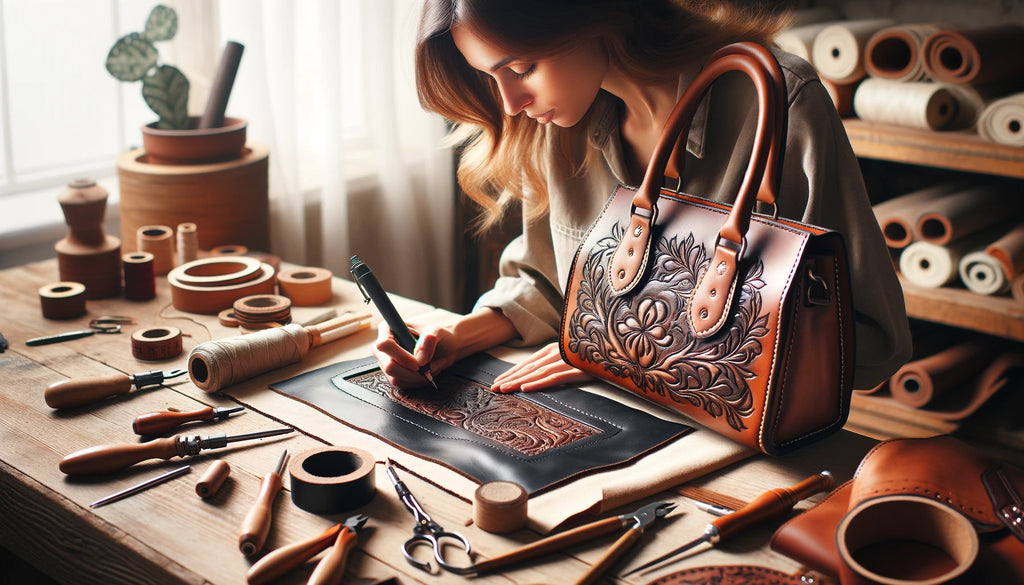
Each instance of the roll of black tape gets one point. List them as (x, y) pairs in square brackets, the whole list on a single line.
[(332, 480)]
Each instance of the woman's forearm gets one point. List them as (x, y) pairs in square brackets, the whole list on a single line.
[(481, 330)]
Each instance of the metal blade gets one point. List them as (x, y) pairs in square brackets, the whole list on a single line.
[(141, 486), (670, 554), (221, 412), (258, 434)]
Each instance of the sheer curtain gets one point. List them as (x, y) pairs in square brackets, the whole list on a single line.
[(356, 166)]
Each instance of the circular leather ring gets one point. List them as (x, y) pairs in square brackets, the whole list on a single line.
[(217, 271), (210, 300), (156, 343), (306, 286), (62, 300), (904, 540), (331, 480)]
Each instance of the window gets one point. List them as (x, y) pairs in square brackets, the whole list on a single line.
[(61, 114)]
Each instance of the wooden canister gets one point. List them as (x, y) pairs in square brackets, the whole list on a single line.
[(227, 201)]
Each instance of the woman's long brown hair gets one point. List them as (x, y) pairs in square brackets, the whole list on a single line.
[(649, 40)]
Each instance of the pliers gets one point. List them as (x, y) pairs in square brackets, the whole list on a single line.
[(341, 539), (636, 522)]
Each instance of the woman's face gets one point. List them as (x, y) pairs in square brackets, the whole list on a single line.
[(558, 89)]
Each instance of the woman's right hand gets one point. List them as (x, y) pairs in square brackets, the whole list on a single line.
[(433, 346), (440, 346)]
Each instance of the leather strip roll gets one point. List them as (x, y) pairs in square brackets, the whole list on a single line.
[(213, 296), (904, 540), (306, 286), (139, 276), (217, 271), (156, 343), (158, 240), (62, 300), (260, 311), (500, 506), (331, 480), (227, 318), (211, 481)]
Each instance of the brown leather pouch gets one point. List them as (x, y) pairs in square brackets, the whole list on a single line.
[(938, 469)]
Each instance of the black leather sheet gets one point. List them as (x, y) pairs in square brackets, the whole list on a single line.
[(538, 440)]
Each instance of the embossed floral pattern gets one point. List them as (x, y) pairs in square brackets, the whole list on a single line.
[(640, 338), (516, 422)]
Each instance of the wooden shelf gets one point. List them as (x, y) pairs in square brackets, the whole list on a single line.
[(959, 307), (960, 150)]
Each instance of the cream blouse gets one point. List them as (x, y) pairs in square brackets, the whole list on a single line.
[(821, 185)]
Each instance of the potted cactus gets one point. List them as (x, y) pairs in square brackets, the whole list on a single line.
[(176, 137)]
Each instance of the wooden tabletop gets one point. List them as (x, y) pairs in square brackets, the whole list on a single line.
[(167, 534)]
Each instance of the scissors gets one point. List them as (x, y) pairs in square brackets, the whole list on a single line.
[(106, 324), (426, 532)]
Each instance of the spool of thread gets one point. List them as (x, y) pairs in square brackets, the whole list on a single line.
[(1002, 121), (219, 363), (500, 506), (156, 343), (62, 300), (306, 286), (139, 276), (260, 311), (917, 104), (188, 242), (211, 481), (838, 49), (332, 480), (159, 241)]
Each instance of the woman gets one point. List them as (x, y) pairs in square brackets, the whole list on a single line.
[(558, 101)]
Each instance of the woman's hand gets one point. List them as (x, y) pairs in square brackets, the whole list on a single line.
[(541, 370), (440, 347), (433, 346)]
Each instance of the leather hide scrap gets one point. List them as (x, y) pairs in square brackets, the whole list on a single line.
[(538, 439)]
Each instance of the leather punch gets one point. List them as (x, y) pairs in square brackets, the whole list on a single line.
[(635, 523)]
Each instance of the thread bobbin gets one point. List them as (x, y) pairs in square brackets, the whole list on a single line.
[(62, 300), (156, 343), (139, 276), (159, 241)]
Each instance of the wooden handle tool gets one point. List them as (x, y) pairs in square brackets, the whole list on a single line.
[(83, 391), (256, 525), (281, 560), (770, 505), (156, 423)]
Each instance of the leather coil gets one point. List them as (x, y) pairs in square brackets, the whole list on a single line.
[(306, 286), (62, 300), (210, 285), (332, 480), (156, 343), (261, 311)]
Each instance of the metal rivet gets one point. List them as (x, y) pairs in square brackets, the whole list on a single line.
[(622, 274), (721, 268), (638, 230), (713, 293), (703, 313), (630, 253)]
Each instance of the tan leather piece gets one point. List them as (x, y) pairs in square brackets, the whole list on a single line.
[(712, 297), (939, 469)]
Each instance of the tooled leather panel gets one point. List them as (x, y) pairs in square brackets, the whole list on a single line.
[(654, 349), (521, 425), (480, 449)]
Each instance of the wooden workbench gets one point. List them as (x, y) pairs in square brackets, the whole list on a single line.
[(169, 535)]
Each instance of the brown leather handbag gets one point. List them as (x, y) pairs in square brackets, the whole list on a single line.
[(739, 320)]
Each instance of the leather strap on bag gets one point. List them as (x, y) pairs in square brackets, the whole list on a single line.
[(713, 294)]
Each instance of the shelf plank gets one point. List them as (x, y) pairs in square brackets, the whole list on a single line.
[(956, 150), (959, 307)]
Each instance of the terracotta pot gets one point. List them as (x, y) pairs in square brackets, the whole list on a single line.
[(194, 146)]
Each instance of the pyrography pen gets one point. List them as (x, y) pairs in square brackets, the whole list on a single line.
[(373, 291)]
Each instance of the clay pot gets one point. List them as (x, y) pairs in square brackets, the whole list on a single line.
[(194, 146)]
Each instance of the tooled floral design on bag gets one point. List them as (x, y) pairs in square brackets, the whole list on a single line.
[(654, 349), (516, 422)]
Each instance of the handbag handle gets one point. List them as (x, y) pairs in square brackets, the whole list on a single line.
[(713, 293)]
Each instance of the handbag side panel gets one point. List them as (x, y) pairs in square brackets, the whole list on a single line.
[(642, 341)]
